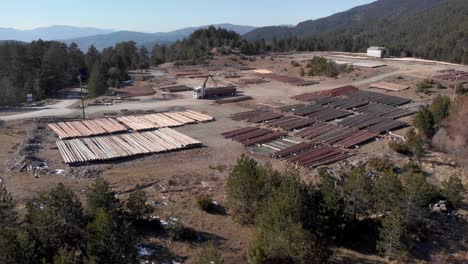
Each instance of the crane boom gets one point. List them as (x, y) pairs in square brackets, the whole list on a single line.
[(206, 81)]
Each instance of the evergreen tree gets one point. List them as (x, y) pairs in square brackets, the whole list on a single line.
[(97, 83), (281, 235), (248, 187), (440, 108), (66, 257), (357, 192), (454, 190), (137, 204), (92, 57), (110, 240), (144, 60), (100, 195), (8, 215), (387, 192), (417, 193), (332, 205), (76, 62), (55, 220), (391, 241), (424, 122), (53, 68)]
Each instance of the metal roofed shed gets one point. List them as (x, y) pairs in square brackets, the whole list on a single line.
[(378, 52)]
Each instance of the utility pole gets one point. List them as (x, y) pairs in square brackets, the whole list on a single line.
[(455, 88), (82, 97)]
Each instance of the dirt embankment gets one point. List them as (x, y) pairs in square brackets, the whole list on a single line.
[(453, 137)]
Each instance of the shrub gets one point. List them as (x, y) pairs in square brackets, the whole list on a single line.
[(412, 167), (453, 190), (295, 64), (380, 164), (322, 66), (440, 108), (424, 122), (414, 145), (424, 86), (460, 89), (209, 255), (400, 147), (205, 203)]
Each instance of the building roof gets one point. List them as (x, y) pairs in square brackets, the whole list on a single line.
[(376, 48)]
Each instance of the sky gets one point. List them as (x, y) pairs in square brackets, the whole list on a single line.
[(165, 15)]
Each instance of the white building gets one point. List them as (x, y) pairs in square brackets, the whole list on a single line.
[(378, 52)]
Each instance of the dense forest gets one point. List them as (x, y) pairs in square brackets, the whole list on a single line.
[(199, 46), (44, 67), (431, 29)]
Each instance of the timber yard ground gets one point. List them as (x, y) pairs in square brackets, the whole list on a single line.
[(31, 161)]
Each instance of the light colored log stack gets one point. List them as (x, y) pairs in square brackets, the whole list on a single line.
[(86, 128), (125, 145), (159, 120)]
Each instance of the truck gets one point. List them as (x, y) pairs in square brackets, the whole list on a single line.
[(212, 92), (203, 92)]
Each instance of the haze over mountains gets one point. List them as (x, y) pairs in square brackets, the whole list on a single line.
[(102, 38)]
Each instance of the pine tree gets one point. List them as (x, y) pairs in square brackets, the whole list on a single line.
[(332, 205), (92, 57), (248, 187), (391, 235), (97, 83), (387, 192), (454, 190), (417, 193), (440, 108), (8, 215), (137, 204), (100, 195), (281, 235), (110, 240), (424, 122), (357, 192), (56, 220)]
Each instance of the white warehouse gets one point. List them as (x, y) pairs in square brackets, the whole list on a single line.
[(378, 52)]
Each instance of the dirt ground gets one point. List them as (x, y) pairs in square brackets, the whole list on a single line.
[(174, 180)]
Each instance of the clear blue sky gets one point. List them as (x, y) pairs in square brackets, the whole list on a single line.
[(159, 15)]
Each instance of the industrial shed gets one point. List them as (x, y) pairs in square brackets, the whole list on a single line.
[(378, 52)]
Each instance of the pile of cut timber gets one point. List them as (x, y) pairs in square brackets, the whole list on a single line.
[(233, 99), (122, 146), (159, 120), (176, 88), (389, 86), (86, 128)]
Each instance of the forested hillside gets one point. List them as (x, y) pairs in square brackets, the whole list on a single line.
[(433, 29), (198, 46), (44, 67)]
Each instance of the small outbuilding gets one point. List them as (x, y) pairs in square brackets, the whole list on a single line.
[(378, 52)]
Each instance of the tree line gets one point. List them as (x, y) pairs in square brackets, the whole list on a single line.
[(42, 68), (295, 222)]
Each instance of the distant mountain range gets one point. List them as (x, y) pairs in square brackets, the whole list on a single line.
[(50, 33), (148, 39), (102, 38)]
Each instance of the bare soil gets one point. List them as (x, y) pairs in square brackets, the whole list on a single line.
[(173, 181)]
